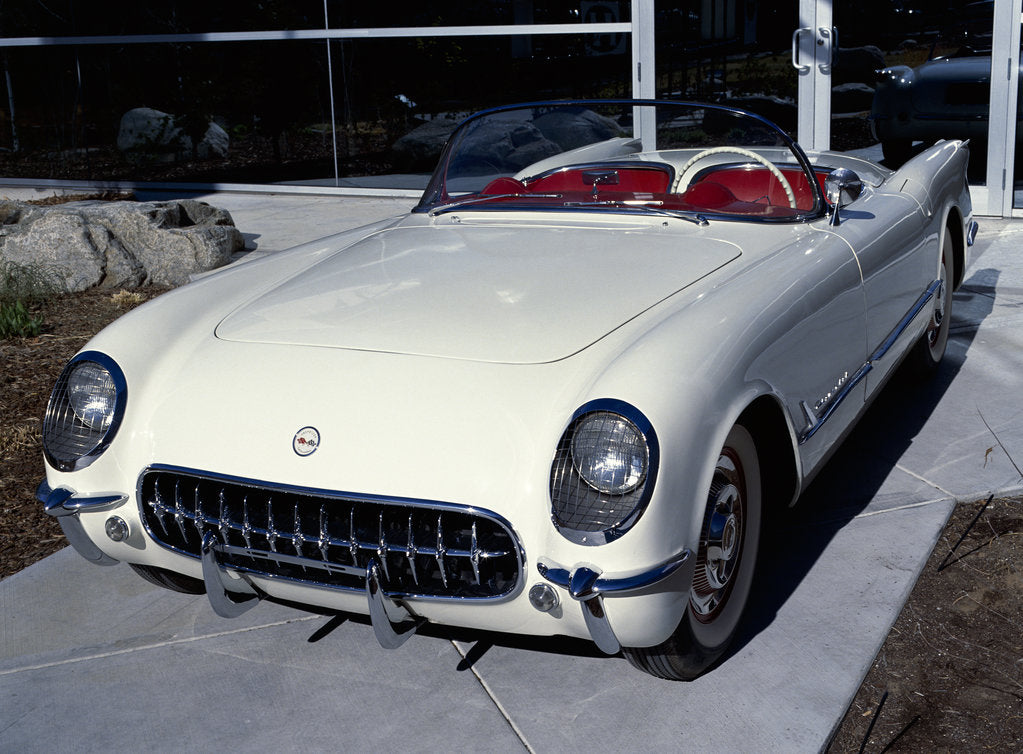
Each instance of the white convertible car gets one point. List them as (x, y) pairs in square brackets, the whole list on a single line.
[(559, 397)]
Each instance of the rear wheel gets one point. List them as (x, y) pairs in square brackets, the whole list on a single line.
[(725, 562), (930, 349), (169, 580)]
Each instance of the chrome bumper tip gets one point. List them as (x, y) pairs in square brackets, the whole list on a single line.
[(590, 587)]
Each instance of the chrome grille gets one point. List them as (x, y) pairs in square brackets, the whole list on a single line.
[(424, 549)]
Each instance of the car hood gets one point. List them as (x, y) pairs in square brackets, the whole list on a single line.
[(495, 293)]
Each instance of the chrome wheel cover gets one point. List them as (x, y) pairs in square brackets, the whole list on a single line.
[(721, 543)]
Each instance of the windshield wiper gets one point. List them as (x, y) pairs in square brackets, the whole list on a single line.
[(489, 197), (645, 206)]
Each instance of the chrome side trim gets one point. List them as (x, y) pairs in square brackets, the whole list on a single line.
[(589, 587), (879, 353)]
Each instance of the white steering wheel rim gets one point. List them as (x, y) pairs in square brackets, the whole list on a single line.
[(745, 153)]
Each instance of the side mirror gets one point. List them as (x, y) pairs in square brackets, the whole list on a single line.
[(842, 187)]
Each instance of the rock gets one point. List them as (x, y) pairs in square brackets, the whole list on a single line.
[(119, 244), (420, 148), (570, 130), (857, 65), (148, 131), (851, 98)]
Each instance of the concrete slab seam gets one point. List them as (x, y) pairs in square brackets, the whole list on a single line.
[(950, 498), (925, 480), (493, 698), (158, 645)]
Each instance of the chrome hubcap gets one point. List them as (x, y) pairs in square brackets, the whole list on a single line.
[(721, 544)]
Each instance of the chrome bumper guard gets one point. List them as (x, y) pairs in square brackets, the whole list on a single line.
[(65, 505), (230, 597), (590, 587)]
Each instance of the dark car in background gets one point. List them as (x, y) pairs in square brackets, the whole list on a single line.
[(947, 97)]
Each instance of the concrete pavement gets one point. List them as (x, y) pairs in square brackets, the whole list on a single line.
[(96, 659)]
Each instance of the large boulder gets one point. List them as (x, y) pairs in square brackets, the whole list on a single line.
[(154, 133), (118, 244), (420, 148)]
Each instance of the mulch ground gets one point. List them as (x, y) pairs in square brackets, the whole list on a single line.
[(948, 678)]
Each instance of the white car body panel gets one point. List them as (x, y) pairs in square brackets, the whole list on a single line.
[(441, 357)]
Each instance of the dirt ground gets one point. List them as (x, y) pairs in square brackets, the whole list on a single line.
[(948, 678)]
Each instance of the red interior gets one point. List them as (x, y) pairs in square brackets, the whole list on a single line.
[(732, 189)]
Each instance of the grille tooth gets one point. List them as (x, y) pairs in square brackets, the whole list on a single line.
[(441, 551), (224, 523), (410, 551), (179, 508), (476, 555), (324, 540), (271, 530), (160, 508), (382, 549), (297, 537), (353, 543)]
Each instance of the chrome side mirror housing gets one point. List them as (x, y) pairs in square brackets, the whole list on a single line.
[(842, 187)]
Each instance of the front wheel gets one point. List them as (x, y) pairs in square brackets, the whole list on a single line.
[(725, 563)]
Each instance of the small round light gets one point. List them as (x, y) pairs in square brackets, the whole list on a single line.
[(92, 394), (116, 528), (543, 598), (610, 453)]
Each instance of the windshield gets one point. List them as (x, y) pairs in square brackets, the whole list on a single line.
[(678, 159)]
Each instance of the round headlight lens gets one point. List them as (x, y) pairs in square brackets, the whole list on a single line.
[(603, 472), (84, 411), (92, 394), (610, 453)]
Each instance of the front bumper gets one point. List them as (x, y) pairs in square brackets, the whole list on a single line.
[(233, 591)]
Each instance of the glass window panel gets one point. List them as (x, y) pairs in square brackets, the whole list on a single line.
[(348, 15), (937, 59), (118, 17)]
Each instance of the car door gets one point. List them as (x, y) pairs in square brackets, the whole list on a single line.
[(888, 233)]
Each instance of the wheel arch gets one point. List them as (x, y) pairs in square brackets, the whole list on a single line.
[(765, 420), (956, 225)]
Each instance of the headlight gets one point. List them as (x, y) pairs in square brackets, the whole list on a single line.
[(609, 453), (84, 412), (603, 472)]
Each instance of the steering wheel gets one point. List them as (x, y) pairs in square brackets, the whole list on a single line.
[(745, 153)]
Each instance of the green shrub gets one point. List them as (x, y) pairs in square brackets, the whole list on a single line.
[(22, 286), (17, 322)]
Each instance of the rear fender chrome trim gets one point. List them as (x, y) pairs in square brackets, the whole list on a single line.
[(389, 634), (879, 353), (589, 587), (225, 598)]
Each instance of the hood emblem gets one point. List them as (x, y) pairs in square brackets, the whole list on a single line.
[(306, 441)]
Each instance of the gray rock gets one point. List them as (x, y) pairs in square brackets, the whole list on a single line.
[(570, 130), (421, 147), (857, 65), (851, 98), (149, 131), (119, 244)]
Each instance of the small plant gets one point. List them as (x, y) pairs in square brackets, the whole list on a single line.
[(17, 322), (22, 287)]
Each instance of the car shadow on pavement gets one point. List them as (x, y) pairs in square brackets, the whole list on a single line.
[(797, 537)]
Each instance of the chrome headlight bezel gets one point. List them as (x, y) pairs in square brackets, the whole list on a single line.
[(593, 502), (85, 411)]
